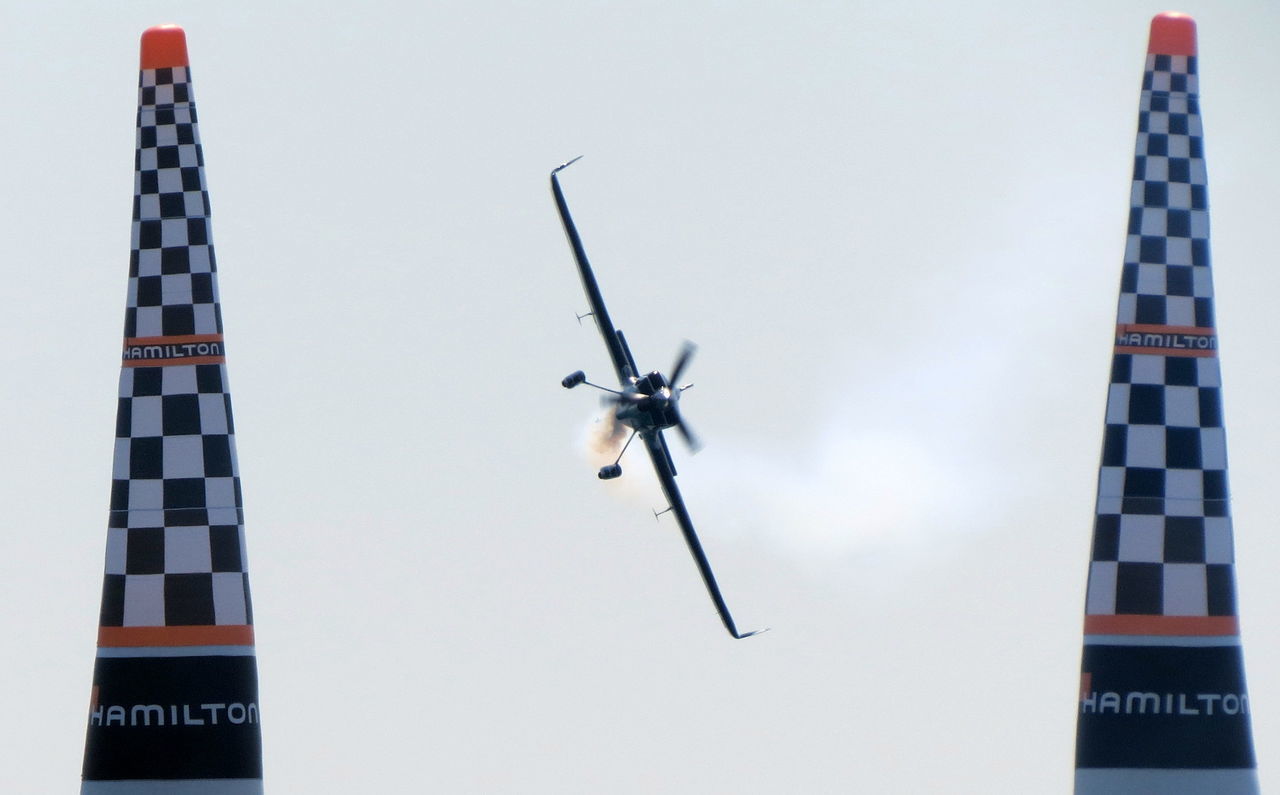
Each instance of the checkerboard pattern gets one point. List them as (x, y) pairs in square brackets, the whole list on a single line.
[(1162, 542), (172, 289), (175, 540)]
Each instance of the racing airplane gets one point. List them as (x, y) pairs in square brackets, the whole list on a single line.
[(647, 404)]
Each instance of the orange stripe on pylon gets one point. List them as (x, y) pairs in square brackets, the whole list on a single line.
[(1162, 625), (213, 635), (173, 362), (161, 351), (1166, 334), (1202, 354)]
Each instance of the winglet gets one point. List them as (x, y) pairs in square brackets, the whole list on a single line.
[(563, 166), (163, 47), (1172, 33), (728, 621)]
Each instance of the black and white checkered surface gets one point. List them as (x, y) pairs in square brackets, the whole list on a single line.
[(1162, 539), (175, 542), (172, 288)]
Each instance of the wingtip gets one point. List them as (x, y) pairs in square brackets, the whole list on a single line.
[(746, 635), (565, 165)]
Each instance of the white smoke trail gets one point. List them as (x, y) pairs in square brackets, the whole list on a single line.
[(912, 465), (856, 494)]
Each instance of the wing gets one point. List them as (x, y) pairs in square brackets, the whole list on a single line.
[(666, 476), (619, 354)]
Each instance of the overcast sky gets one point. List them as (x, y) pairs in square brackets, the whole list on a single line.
[(895, 232)]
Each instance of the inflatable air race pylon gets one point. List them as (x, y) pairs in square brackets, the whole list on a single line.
[(1163, 706), (174, 707)]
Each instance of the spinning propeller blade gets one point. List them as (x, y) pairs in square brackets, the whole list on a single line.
[(686, 353), (682, 361), (690, 438)]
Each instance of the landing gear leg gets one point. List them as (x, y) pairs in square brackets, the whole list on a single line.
[(613, 470)]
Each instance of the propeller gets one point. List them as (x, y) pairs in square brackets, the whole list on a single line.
[(690, 438), (682, 361), (644, 402)]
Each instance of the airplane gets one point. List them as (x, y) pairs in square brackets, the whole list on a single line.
[(647, 404)]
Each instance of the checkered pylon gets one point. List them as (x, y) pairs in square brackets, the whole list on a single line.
[(1163, 705), (174, 705), (175, 547), (1162, 540)]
